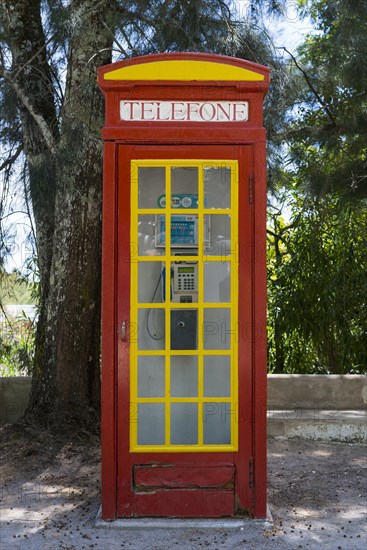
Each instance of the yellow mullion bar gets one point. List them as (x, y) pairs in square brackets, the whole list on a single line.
[(172, 305), (133, 300), (234, 301), (183, 449), (151, 352), (189, 305), (207, 163), (200, 305), (181, 258), (192, 305), (181, 162), (167, 400), (185, 399), (178, 211), (216, 210), (218, 305), (182, 211), (185, 352), (168, 310)]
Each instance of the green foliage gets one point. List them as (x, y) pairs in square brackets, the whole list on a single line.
[(16, 289), (317, 264), (193, 25), (318, 288), (17, 333), (328, 133), (17, 341)]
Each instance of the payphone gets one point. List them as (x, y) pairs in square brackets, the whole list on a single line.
[(183, 274), (184, 295), (185, 282), (183, 290)]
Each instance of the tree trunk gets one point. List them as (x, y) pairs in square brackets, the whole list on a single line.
[(66, 176), (71, 356)]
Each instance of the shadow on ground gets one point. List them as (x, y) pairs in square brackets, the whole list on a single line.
[(50, 495)]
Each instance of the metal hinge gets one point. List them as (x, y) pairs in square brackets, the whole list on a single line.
[(251, 189), (123, 331), (251, 473)]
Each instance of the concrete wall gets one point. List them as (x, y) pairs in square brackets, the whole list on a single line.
[(14, 396), (285, 392), (311, 391)]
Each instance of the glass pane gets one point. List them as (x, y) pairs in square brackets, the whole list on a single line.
[(184, 376), (217, 281), (184, 187), (150, 282), (151, 328), (151, 186), (217, 376), (217, 329), (151, 424), (184, 329), (149, 235), (217, 187), (151, 376), (184, 231), (184, 282), (218, 235), (217, 426), (184, 423)]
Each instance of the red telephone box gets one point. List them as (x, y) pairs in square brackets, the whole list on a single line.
[(184, 321)]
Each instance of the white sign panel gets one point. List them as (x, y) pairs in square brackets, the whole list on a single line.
[(184, 111)]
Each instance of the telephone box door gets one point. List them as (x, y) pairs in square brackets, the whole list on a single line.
[(184, 319)]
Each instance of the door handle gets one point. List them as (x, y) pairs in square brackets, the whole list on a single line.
[(123, 331)]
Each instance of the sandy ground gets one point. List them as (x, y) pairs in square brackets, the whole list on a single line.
[(50, 495)]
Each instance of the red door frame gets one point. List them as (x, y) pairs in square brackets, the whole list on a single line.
[(251, 477), (181, 502), (251, 460)]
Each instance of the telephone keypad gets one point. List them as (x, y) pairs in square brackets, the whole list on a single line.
[(184, 284), (187, 281)]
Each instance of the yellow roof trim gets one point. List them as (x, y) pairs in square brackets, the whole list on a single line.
[(183, 70)]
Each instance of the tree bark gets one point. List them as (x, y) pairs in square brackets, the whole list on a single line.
[(71, 356), (65, 172)]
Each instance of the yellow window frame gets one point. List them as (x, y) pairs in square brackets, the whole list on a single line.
[(232, 401)]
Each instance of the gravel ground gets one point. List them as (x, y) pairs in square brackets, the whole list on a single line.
[(50, 495)]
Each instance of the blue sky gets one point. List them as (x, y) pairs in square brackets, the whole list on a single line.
[(287, 30)]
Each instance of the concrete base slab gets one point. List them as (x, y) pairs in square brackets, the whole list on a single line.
[(183, 523)]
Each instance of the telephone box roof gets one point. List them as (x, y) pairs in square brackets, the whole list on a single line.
[(190, 68)]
